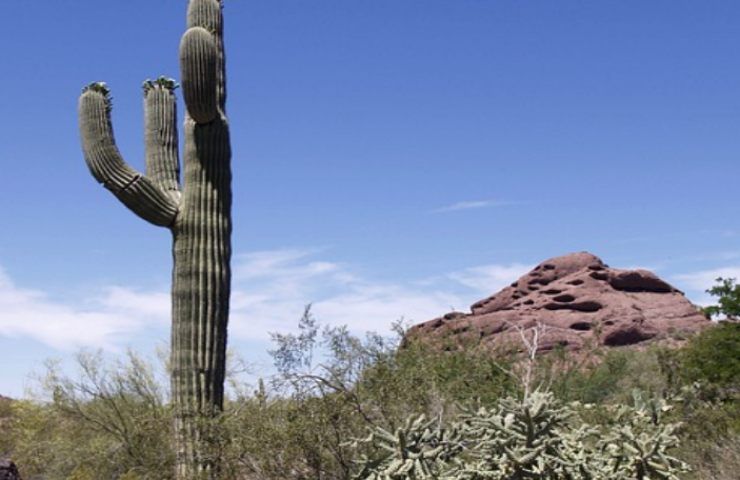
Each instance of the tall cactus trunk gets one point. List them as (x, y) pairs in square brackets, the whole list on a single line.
[(199, 218), (200, 296)]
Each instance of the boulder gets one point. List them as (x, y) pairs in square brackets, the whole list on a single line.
[(8, 470), (580, 301)]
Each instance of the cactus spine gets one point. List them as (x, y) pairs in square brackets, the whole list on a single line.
[(198, 215)]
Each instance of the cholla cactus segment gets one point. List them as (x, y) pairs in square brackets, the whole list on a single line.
[(418, 450), (529, 438), (637, 446)]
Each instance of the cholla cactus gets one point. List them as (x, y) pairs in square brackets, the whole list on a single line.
[(418, 450), (535, 438), (637, 445), (199, 218), (529, 438)]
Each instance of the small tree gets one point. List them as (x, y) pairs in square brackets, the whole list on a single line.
[(728, 293), (713, 357)]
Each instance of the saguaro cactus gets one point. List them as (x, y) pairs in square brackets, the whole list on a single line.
[(199, 216)]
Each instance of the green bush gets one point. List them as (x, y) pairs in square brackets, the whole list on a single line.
[(713, 356), (728, 300), (110, 422)]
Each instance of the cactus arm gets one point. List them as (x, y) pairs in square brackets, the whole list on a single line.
[(207, 14), (198, 66), (202, 61), (160, 133), (140, 194)]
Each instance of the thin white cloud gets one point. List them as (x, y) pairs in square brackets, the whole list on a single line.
[(135, 303), (489, 279), (721, 256), (650, 268), (283, 262), (472, 204), (697, 283), (105, 320), (272, 297), (273, 287), (270, 291), (705, 279)]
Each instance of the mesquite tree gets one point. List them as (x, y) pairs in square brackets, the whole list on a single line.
[(198, 215)]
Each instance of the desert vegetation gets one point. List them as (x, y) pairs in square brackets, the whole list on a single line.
[(340, 406)]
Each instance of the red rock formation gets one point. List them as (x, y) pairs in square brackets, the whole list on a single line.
[(580, 301)]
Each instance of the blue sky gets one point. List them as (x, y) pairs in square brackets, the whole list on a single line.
[(392, 158)]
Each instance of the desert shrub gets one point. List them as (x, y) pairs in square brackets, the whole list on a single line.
[(113, 420), (30, 436), (110, 422), (331, 385), (610, 375), (536, 437), (594, 382), (713, 356), (718, 461), (6, 425)]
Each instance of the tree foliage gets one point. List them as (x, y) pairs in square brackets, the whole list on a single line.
[(728, 299), (713, 356)]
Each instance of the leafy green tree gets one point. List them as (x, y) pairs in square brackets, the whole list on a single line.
[(728, 293), (713, 357)]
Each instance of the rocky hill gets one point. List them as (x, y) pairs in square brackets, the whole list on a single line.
[(580, 301)]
